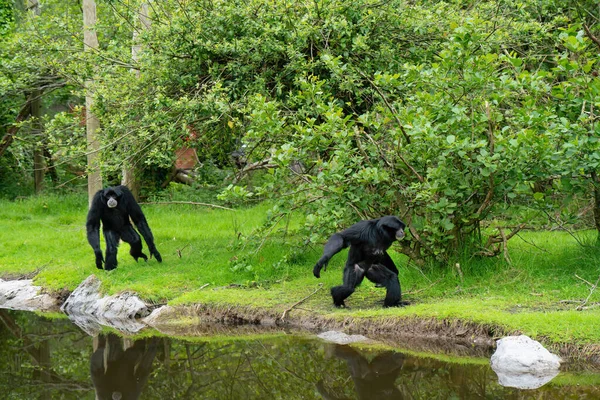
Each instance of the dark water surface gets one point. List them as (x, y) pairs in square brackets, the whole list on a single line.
[(44, 358)]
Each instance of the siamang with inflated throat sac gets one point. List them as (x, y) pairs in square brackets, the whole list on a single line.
[(115, 207), (367, 257)]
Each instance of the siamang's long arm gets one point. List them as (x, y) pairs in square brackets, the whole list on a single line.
[(389, 263), (93, 228), (333, 246), (137, 216)]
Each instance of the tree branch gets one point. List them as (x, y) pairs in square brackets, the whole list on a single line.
[(590, 35), (388, 105), (300, 302), (189, 202), (10, 133)]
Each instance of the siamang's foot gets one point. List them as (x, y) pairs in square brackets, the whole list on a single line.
[(341, 305), (110, 267), (99, 260), (156, 255), (138, 256), (400, 303)]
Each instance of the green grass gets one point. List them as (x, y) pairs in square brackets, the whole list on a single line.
[(207, 260)]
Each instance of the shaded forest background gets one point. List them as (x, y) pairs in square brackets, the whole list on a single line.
[(469, 120)]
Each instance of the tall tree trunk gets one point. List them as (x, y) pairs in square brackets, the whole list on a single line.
[(129, 173), (596, 193), (90, 42), (36, 114), (38, 151)]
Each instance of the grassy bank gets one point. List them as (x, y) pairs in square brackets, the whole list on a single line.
[(206, 260)]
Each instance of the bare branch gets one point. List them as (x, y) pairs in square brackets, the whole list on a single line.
[(592, 289), (300, 302), (388, 105), (590, 35), (189, 202), (10, 133)]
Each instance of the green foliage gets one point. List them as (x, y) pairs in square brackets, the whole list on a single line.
[(442, 113), (7, 16), (391, 113), (12, 183)]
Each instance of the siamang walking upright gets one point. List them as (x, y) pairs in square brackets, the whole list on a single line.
[(367, 257), (116, 207)]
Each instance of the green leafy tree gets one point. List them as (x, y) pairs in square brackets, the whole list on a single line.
[(577, 89), (394, 113), (453, 117)]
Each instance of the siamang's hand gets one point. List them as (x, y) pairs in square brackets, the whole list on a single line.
[(318, 267), (140, 255), (156, 254), (99, 259)]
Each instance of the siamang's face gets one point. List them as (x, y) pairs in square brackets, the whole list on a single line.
[(111, 198), (394, 226)]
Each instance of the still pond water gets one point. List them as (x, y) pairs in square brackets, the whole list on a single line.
[(44, 358)]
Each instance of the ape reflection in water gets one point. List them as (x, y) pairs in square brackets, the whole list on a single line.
[(373, 379), (118, 373)]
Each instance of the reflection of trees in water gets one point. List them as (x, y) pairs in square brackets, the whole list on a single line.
[(373, 379), (237, 369), (391, 375), (43, 359)]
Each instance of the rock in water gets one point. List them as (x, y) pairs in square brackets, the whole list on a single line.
[(341, 337), (23, 295), (87, 308), (524, 363)]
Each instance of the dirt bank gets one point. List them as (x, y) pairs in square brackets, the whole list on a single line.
[(458, 338), (427, 335), (419, 335)]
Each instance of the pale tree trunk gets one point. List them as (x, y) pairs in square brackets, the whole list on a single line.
[(36, 115), (90, 41), (129, 175), (38, 151), (596, 195)]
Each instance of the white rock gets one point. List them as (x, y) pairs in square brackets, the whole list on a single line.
[(87, 308), (23, 295), (523, 363), (155, 316), (341, 337)]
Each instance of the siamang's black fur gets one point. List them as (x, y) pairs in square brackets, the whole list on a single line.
[(367, 257), (116, 207), (118, 373)]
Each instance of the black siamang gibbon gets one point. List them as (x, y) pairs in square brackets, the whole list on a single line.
[(116, 207), (367, 257)]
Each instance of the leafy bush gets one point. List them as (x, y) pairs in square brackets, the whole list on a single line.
[(443, 114)]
